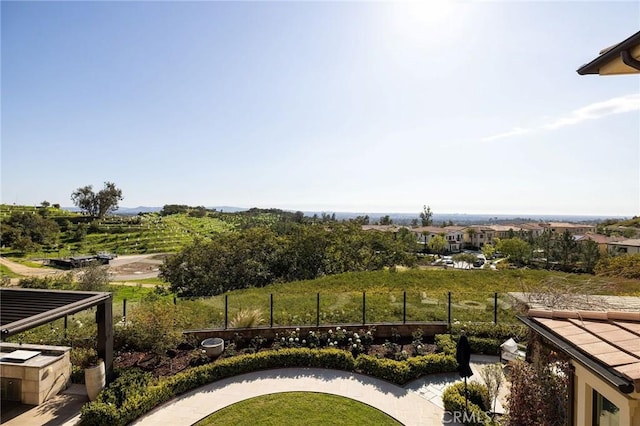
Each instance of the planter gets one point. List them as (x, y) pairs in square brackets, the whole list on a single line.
[(213, 346), (94, 380)]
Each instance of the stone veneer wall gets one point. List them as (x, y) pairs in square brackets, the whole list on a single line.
[(40, 382)]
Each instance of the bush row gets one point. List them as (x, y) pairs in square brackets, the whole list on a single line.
[(454, 402), (446, 344), (133, 394)]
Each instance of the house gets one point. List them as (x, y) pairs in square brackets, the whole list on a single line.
[(505, 231), (572, 228), (624, 246), (532, 230), (478, 236), (454, 235), (603, 348), (602, 240)]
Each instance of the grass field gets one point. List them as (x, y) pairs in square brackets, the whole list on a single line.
[(297, 408), (341, 296)]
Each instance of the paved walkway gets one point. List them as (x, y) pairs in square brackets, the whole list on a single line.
[(417, 403)]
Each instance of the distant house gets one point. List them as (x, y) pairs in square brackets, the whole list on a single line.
[(603, 241), (532, 230), (600, 336), (454, 235), (624, 246), (572, 228), (478, 236)]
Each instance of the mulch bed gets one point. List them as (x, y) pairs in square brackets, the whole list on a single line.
[(186, 356)]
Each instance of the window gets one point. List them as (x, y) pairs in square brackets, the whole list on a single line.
[(605, 412)]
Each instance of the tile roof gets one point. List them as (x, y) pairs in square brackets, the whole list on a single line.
[(612, 340), (633, 242)]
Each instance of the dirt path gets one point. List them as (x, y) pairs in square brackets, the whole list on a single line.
[(123, 268)]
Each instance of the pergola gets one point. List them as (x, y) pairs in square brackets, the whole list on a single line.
[(621, 58), (23, 309)]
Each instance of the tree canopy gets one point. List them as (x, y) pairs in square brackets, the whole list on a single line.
[(257, 257), (97, 204)]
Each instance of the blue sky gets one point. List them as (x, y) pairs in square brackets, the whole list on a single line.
[(469, 107)]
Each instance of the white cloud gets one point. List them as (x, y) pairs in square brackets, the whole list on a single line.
[(514, 132), (598, 110), (593, 111)]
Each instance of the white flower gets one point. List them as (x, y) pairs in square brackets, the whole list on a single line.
[(350, 339), (337, 328), (283, 339), (297, 329), (330, 331), (304, 342), (355, 346), (355, 335), (358, 341), (297, 339), (290, 339), (330, 344)]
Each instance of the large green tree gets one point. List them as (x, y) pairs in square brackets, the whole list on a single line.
[(437, 244), (25, 231), (518, 250), (97, 204)]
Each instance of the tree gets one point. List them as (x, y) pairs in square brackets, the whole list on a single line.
[(97, 204), (28, 232), (566, 247), (488, 250), (437, 244), (589, 254), (426, 216), (386, 220), (465, 259), (518, 250)]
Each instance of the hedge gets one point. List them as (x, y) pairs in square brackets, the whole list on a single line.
[(133, 393), (454, 402)]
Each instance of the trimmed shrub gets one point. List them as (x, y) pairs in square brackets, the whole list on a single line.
[(445, 344), (383, 368), (431, 364), (454, 401), (501, 331)]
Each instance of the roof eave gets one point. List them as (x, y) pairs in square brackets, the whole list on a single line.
[(620, 51), (620, 383)]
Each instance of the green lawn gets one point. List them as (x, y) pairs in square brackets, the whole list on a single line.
[(5, 271), (298, 408)]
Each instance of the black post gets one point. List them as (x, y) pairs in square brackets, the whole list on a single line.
[(495, 308), (124, 310), (226, 310), (318, 310), (404, 307), (449, 309), (65, 326), (364, 308), (271, 309), (175, 300)]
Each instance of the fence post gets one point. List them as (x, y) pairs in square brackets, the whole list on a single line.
[(404, 307), (364, 308), (124, 310), (271, 309), (449, 309), (65, 326), (318, 310), (226, 310), (495, 307)]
